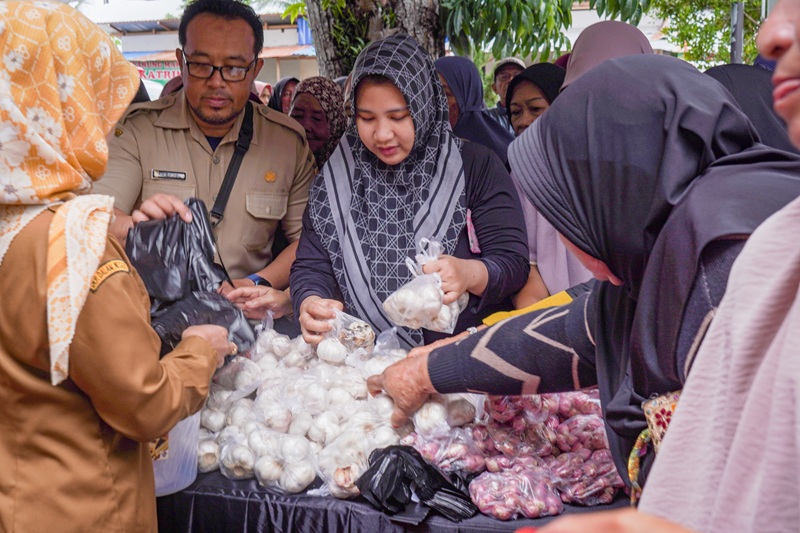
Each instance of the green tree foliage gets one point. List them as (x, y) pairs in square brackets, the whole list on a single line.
[(524, 28), (703, 28)]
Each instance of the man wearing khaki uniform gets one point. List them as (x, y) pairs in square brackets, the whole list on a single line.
[(180, 146)]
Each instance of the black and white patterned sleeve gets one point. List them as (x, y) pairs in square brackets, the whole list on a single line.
[(550, 350)]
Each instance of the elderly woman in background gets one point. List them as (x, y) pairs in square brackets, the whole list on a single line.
[(83, 388), (318, 106)]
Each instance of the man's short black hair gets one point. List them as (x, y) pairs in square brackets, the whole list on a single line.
[(227, 9)]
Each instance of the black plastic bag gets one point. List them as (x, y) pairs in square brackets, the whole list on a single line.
[(396, 471), (202, 308), (174, 258)]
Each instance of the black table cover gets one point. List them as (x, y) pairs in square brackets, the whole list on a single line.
[(215, 504)]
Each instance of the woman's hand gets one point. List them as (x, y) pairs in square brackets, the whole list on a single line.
[(407, 382), (315, 312), (216, 336), (255, 301), (459, 276)]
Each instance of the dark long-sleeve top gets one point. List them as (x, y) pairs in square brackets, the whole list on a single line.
[(552, 350), (497, 216)]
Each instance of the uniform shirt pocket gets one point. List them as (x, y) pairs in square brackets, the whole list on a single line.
[(265, 210)]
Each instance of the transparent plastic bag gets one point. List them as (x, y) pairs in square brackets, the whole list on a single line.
[(586, 478), (451, 452), (347, 334), (419, 303), (387, 351), (176, 467), (582, 431), (509, 494)]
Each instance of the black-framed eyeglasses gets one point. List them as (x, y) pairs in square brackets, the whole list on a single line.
[(204, 71)]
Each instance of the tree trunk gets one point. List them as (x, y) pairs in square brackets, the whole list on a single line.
[(321, 22), (418, 18)]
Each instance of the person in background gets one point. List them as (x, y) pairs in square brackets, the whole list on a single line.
[(467, 111), (83, 389), (400, 175), (263, 90), (318, 106), (504, 71), (553, 267), (281, 97), (751, 87), (631, 198), (603, 41), (181, 146)]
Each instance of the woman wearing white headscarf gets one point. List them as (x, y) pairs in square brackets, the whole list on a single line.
[(81, 386)]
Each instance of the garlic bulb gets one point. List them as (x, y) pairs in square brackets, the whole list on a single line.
[(207, 456), (278, 417), (237, 462), (231, 433), (338, 396), (325, 428), (460, 412), (218, 398), (382, 437), (315, 399), (383, 406), (332, 351), (431, 417), (281, 346), (267, 361), (297, 476), (239, 414), (212, 419), (295, 449), (268, 470), (263, 442), (301, 422)]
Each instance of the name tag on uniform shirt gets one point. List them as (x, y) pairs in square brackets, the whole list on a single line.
[(167, 175)]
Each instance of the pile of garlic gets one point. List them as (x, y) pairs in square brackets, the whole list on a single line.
[(285, 415)]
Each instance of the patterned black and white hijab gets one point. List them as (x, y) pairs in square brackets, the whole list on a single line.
[(370, 216)]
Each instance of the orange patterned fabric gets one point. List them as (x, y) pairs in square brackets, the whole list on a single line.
[(63, 85)]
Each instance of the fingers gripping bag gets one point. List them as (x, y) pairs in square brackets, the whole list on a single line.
[(418, 303), (346, 335)]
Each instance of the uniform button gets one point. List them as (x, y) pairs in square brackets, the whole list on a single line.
[(216, 160)]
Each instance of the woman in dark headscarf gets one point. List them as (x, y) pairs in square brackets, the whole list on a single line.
[(281, 97), (553, 267), (540, 84), (751, 86), (397, 176), (655, 191), (468, 115), (603, 41), (318, 106)]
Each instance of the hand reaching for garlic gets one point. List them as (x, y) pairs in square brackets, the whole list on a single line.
[(407, 382)]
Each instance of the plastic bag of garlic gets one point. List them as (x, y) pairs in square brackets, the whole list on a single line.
[(284, 415), (418, 303)]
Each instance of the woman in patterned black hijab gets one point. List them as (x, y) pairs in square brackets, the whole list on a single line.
[(400, 175)]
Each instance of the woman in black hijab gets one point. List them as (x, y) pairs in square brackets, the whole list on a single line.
[(656, 190), (535, 89), (281, 97), (751, 86)]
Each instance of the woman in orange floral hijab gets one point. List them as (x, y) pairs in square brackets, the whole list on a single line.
[(81, 385)]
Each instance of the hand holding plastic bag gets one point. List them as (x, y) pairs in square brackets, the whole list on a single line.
[(419, 303)]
